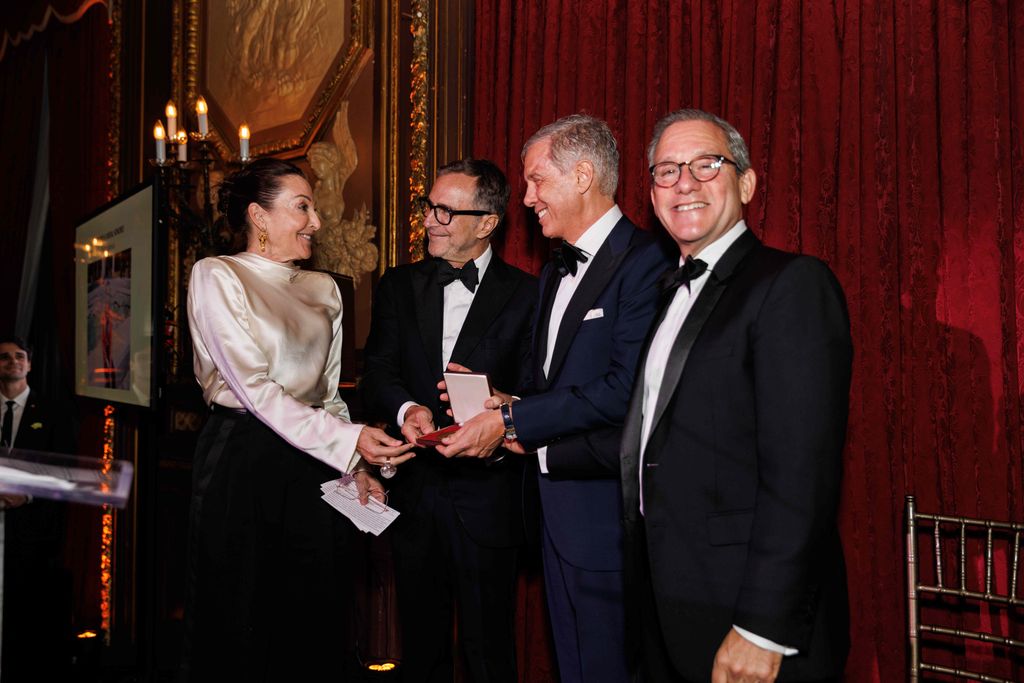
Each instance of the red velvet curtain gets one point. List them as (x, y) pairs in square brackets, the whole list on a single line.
[(887, 138)]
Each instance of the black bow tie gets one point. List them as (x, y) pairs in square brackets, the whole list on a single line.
[(690, 270), (567, 257), (447, 274)]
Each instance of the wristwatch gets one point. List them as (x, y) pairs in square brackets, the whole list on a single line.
[(506, 417)]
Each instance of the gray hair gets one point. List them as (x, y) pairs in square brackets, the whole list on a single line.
[(581, 137), (733, 140)]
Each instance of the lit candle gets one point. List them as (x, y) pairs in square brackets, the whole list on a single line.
[(161, 149), (172, 120), (243, 142), (182, 145), (201, 110)]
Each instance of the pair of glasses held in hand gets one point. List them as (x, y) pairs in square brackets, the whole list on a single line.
[(352, 493)]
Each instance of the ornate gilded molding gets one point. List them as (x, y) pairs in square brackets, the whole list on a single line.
[(389, 165), (419, 126), (114, 129), (107, 535)]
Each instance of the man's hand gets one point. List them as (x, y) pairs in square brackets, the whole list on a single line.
[(477, 438), (740, 661), (377, 448), (367, 485), (515, 447), (493, 402), (418, 421)]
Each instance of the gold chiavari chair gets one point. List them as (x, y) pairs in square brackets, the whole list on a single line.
[(973, 543)]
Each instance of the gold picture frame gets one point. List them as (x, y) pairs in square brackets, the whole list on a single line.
[(300, 55)]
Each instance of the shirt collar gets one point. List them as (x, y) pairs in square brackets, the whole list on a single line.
[(594, 236), (482, 261), (714, 251), (21, 399)]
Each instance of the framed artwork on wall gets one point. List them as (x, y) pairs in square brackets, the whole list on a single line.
[(114, 301)]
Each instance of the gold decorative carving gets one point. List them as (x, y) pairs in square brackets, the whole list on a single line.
[(389, 165), (343, 245), (419, 128)]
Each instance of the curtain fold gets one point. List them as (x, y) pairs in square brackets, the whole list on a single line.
[(20, 100), (37, 220), (886, 135)]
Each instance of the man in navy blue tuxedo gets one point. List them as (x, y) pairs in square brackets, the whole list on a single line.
[(597, 299), (732, 450), (456, 541)]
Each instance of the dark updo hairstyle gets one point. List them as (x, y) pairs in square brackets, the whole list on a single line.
[(258, 181)]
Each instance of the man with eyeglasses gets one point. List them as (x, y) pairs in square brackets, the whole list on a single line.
[(455, 542), (597, 299), (732, 450)]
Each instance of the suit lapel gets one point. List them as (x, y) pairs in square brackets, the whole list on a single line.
[(429, 298), (551, 280), (25, 436), (632, 428), (606, 262), (491, 295), (696, 318)]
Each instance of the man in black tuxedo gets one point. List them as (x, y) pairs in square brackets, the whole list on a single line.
[(597, 300), (461, 524), (36, 586), (732, 449)]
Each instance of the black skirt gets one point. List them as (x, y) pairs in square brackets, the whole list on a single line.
[(269, 591)]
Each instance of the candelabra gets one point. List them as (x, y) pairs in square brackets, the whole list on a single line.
[(175, 171), (183, 163)]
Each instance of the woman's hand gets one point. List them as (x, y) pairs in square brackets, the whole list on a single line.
[(377, 448), (367, 485)]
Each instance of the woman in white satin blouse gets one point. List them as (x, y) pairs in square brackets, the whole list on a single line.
[(269, 593)]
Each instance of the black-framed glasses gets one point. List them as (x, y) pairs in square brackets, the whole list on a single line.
[(703, 169), (443, 214)]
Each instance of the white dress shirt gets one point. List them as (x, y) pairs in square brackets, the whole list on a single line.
[(590, 242), (657, 363), (457, 301), (668, 330), (19, 410)]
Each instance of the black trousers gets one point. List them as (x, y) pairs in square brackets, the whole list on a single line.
[(441, 572), (269, 590)]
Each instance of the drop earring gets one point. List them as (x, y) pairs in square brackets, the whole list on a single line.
[(262, 237)]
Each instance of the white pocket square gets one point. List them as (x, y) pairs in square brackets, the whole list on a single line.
[(593, 313)]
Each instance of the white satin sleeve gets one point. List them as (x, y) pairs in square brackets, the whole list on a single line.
[(336, 405), (224, 341)]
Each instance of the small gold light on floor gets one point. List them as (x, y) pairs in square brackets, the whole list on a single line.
[(87, 634), (382, 666)]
